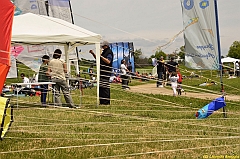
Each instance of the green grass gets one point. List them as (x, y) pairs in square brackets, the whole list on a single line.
[(134, 126)]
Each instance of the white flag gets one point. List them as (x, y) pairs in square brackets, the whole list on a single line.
[(201, 34)]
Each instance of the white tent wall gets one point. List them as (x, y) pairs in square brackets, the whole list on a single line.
[(32, 29), (13, 69)]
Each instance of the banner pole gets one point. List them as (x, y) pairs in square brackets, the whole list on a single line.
[(219, 56)]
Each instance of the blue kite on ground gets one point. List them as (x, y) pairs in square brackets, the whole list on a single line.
[(210, 108)]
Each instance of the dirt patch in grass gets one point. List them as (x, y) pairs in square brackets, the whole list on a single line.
[(152, 89)]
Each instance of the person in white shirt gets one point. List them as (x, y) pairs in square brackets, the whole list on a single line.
[(25, 80), (173, 79), (27, 87), (124, 75)]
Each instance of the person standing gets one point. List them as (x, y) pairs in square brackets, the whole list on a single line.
[(129, 67), (173, 79), (106, 60), (172, 66), (43, 77), (179, 81), (57, 69), (124, 75), (237, 69), (160, 71)]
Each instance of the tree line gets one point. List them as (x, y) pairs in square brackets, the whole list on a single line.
[(140, 60)]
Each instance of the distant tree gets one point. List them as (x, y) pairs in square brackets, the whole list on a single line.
[(137, 54), (157, 55), (234, 50), (140, 60), (181, 54)]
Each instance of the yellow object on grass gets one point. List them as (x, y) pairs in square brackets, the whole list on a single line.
[(6, 116)]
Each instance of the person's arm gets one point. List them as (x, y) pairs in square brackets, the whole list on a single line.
[(107, 61), (91, 52), (49, 71), (65, 67)]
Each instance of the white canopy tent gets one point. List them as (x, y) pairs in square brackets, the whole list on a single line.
[(32, 29), (230, 60)]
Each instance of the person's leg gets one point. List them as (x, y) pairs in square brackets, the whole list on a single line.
[(104, 91), (179, 88), (56, 92), (158, 81), (45, 93), (42, 92), (44, 89), (65, 89), (160, 78), (124, 81), (174, 88)]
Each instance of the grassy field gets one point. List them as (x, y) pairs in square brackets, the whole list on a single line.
[(135, 125)]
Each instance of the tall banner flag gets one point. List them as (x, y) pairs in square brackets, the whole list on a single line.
[(202, 48), (31, 6), (60, 9), (6, 20)]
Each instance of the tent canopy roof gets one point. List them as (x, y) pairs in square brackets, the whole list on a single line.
[(39, 29), (229, 59)]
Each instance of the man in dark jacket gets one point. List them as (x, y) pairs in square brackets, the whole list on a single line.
[(106, 60), (160, 71)]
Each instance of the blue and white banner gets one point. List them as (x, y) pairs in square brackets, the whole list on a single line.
[(122, 50), (201, 34), (60, 9), (31, 6)]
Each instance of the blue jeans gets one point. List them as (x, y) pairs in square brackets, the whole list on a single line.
[(44, 89)]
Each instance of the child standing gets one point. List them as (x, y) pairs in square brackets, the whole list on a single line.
[(173, 79), (179, 86)]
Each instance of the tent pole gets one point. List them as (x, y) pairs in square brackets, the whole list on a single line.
[(66, 49), (97, 47)]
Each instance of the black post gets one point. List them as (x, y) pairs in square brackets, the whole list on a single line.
[(73, 23), (219, 56)]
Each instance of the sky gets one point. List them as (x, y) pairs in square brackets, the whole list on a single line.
[(149, 23)]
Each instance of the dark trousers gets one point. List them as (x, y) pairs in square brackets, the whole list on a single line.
[(44, 89), (104, 90), (160, 78), (237, 73), (179, 88), (124, 81)]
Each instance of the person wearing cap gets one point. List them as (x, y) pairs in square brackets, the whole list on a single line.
[(160, 71), (57, 69), (43, 77), (106, 60)]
